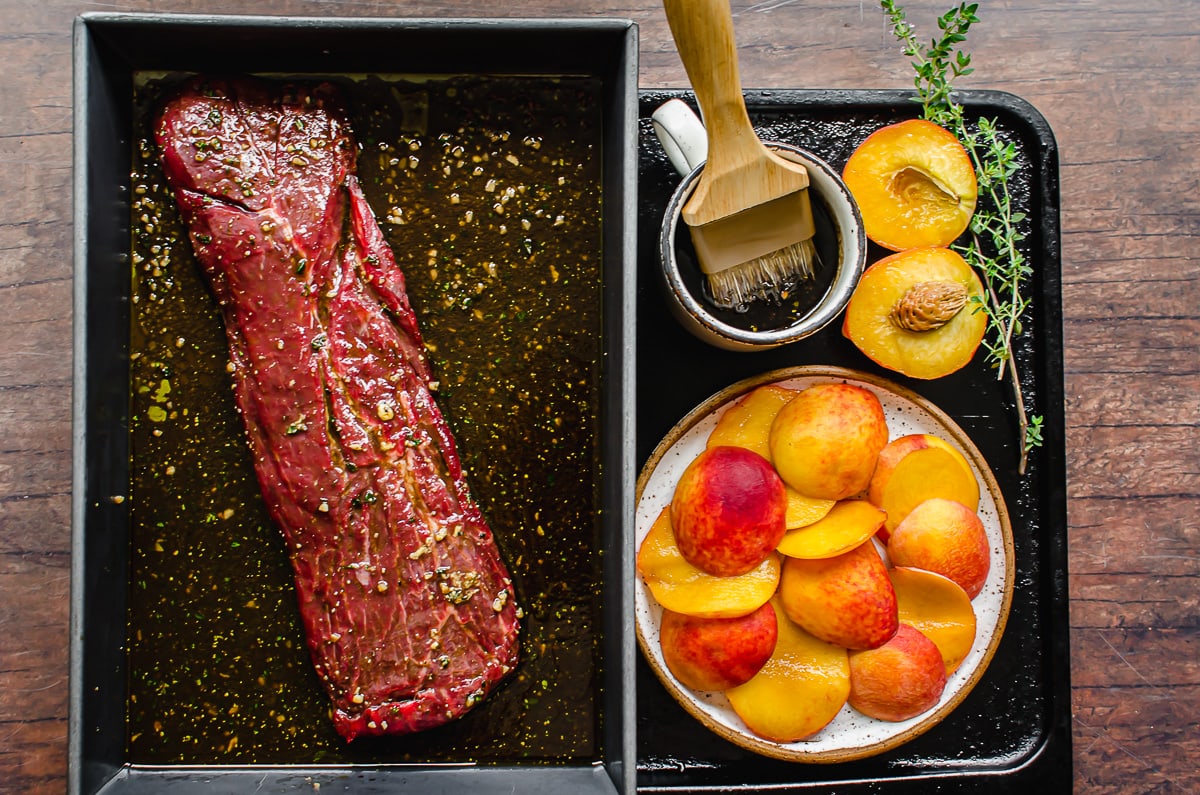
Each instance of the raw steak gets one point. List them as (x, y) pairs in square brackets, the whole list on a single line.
[(409, 611)]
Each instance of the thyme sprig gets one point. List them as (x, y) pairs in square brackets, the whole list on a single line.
[(996, 227)]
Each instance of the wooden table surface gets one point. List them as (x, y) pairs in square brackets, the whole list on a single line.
[(1118, 82)]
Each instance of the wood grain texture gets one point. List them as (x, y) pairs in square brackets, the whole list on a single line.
[(1116, 80)]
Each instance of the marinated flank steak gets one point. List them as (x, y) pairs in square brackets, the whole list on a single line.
[(409, 610)]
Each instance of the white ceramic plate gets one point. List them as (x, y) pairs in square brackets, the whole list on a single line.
[(850, 735)]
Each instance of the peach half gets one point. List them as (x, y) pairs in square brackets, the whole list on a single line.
[(824, 442), (945, 537), (717, 653), (728, 510), (682, 588), (914, 184), (799, 690), (918, 313), (937, 607), (899, 680), (913, 468), (747, 423), (846, 526), (847, 599)]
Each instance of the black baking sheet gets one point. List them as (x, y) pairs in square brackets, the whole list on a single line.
[(1013, 729)]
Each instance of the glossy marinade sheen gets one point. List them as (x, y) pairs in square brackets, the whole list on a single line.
[(409, 611)]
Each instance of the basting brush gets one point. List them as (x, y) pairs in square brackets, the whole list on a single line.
[(750, 215)]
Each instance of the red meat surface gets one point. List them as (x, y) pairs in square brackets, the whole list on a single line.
[(409, 610)]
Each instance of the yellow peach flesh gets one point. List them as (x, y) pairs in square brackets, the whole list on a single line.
[(901, 446), (803, 511), (747, 422), (939, 609), (679, 586), (928, 473), (914, 184), (848, 524), (800, 689), (934, 353)]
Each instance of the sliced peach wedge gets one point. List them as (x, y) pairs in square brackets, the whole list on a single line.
[(914, 468), (939, 608), (846, 526), (802, 511), (681, 587), (747, 423), (914, 183), (799, 690), (918, 313), (896, 449)]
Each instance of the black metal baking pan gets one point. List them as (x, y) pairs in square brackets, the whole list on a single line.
[(1013, 729), (114, 55)]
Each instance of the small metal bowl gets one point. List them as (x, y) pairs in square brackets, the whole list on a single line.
[(841, 245)]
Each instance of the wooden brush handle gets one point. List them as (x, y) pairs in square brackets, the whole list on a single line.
[(740, 172), (703, 32)]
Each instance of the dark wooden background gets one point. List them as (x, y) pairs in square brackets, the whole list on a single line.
[(1118, 82)]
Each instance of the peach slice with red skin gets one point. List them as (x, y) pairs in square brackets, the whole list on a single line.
[(900, 679), (846, 526), (847, 599), (717, 653), (799, 690), (728, 510), (918, 313), (945, 537), (747, 422), (824, 442), (917, 467), (914, 184), (939, 609), (682, 588)]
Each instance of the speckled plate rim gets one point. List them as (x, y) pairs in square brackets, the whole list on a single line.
[(835, 743)]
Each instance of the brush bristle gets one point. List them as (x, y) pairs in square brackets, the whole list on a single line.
[(767, 278)]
